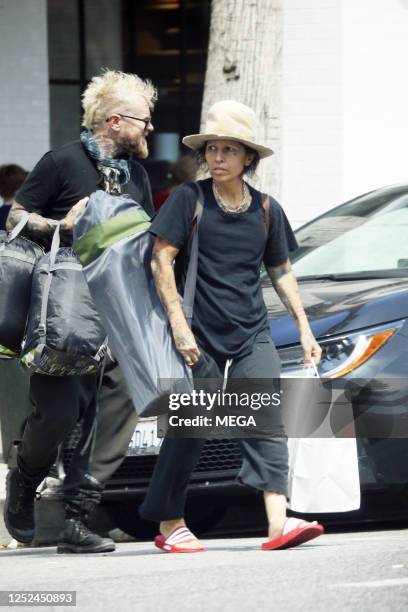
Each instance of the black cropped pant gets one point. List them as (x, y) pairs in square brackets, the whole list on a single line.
[(265, 460)]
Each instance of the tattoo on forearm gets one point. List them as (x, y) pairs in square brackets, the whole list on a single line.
[(165, 282), (277, 272), (285, 285), (37, 226), (181, 341)]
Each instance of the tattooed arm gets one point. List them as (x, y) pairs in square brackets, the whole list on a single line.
[(40, 227), (163, 273), (37, 226), (285, 285)]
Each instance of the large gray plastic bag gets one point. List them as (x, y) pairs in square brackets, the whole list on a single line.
[(122, 287)]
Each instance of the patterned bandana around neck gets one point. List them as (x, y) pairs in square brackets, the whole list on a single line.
[(115, 171)]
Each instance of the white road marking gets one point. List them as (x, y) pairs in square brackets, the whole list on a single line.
[(374, 583)]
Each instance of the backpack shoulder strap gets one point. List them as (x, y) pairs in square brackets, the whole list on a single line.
[(19, 227), (266, 205), (191, 279), (198, 211)]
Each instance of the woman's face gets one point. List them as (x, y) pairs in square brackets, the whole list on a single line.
[(226, 159)]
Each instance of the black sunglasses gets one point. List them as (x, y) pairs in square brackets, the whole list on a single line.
[(145, 121)]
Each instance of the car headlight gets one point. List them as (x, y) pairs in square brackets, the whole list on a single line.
[(341, 354)]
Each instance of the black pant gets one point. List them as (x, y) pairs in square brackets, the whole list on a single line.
[(116, 422), (59, 402), (265, 460)]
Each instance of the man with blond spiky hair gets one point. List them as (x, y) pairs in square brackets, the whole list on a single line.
[(117, 120)]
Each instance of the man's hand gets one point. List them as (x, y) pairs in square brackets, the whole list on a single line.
[(67, 223)]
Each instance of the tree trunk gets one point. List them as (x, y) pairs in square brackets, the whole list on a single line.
[(244, 64)]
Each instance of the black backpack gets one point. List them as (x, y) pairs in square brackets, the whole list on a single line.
[(64, 333), (18, 257)]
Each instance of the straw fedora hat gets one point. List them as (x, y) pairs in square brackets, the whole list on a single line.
[(229, 120)]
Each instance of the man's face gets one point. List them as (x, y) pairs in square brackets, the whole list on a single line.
[(131, 135)]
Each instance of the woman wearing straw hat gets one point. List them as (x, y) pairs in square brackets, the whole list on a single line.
[(239, 229)]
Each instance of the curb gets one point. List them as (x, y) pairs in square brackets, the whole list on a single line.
[(5, 537), (49, 516)]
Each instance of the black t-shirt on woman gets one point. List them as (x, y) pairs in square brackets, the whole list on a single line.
[(229, 311)]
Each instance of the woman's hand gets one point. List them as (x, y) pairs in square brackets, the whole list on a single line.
[(311, 348), (186, 343)]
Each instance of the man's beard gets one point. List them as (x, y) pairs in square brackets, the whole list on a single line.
[(138, 147)]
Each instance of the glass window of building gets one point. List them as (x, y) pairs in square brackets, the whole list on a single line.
[(164, 40)]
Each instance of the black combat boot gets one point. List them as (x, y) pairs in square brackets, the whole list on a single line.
[(76, 536), (19, 505)]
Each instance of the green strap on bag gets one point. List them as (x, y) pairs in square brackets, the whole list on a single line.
[(130, 223)]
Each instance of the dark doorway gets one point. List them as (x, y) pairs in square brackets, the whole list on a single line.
[(164, 40)]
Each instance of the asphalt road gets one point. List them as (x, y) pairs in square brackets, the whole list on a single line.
[(340, 571)]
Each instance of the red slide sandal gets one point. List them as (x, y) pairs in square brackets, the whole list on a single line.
[(295, 532), (174, 542)]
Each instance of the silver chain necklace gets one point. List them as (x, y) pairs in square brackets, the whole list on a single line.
[(245, 204)]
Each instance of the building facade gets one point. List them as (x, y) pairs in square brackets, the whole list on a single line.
[(343, 87)]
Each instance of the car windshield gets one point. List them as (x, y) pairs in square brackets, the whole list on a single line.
[(378, 244)]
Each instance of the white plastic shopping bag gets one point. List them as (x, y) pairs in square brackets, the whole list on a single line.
[(323, 472)]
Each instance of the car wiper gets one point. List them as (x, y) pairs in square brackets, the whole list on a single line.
[(370, 274)]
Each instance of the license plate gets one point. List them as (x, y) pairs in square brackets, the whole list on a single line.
[(144, 440)]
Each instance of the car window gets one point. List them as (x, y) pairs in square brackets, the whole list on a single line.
[(345, 218), (378, 244), (327, 229)]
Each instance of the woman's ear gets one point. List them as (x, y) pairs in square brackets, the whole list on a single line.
[(249, 159)]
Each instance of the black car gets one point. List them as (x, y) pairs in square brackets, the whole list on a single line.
[(352, 268)]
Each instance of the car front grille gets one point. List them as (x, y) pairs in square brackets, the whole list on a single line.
[(219, 459)]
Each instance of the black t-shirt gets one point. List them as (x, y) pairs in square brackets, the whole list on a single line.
[(229, 311), (64, 176), (4, 211)]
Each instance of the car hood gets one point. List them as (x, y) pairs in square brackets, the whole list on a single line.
[(334, 307)]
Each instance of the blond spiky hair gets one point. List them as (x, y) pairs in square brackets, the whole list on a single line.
[(113, 91)]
